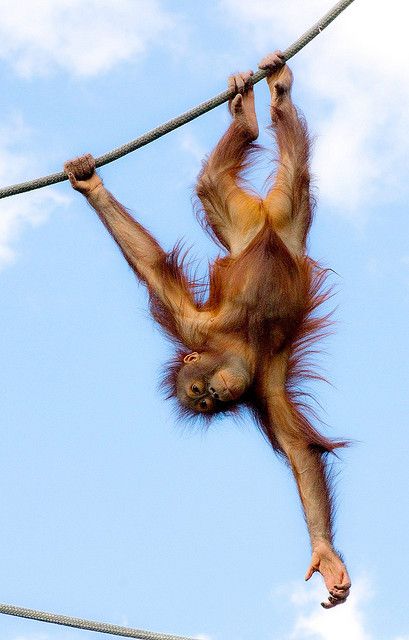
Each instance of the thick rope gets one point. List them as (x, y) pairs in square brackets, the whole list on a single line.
[(150, 136), (87, 625), (202, 108)]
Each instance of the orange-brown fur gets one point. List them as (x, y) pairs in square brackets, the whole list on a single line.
[(245, 340), (277, 311)]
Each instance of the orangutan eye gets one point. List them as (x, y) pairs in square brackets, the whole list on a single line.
[(204, 405), (196, 389)]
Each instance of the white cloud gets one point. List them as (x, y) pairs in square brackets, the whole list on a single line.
[(195, 153), (349, 620), (191, 145), (18, 212), (344, 621), (83, 38), (358, 70)]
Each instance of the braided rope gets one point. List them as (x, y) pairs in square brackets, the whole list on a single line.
[(179, 121), (86, 625), (150, 136)]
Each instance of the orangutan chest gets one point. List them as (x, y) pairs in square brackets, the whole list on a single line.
[(263, 284)]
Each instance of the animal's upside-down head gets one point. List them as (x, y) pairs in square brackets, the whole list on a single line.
[(208, 382)]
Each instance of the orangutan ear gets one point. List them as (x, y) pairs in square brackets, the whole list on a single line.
[(191, 357)]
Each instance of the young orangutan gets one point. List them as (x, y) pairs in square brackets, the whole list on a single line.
[(243, 345)]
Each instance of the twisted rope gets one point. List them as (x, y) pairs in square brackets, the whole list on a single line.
[(87, 625), (150, 136), (179, 121)]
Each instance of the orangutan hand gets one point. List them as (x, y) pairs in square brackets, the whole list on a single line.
[(327, 562)]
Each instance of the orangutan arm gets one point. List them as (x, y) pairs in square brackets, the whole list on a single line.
[(305, 450), (164, 278)]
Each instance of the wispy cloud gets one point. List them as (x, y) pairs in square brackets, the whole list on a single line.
[(359, 72), (26, 210), (83, 38), (344, 621), (194, 154), (191, 145), (349, 620)]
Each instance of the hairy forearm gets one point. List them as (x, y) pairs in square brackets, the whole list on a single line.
[(306, 464), (141, 251), (311, 478), (218, 186), (303, 447), (150, 263), (231, 151)]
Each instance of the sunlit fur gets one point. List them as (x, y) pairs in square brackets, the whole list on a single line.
[(291, 288), (250, 335), (309, 329)]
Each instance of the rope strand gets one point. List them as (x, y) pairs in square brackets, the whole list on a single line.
[(86, 625), (150, 136), (184, 118)]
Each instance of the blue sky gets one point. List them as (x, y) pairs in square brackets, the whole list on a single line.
[(111, 510)]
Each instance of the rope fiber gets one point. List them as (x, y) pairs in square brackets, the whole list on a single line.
[(150, 136), (179, 121), (87, 625)]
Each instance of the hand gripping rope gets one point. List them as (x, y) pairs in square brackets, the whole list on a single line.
[(150, 136), (202, 108)]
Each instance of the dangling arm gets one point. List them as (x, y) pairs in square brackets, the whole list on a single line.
[(304, 449), (143, 253)]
